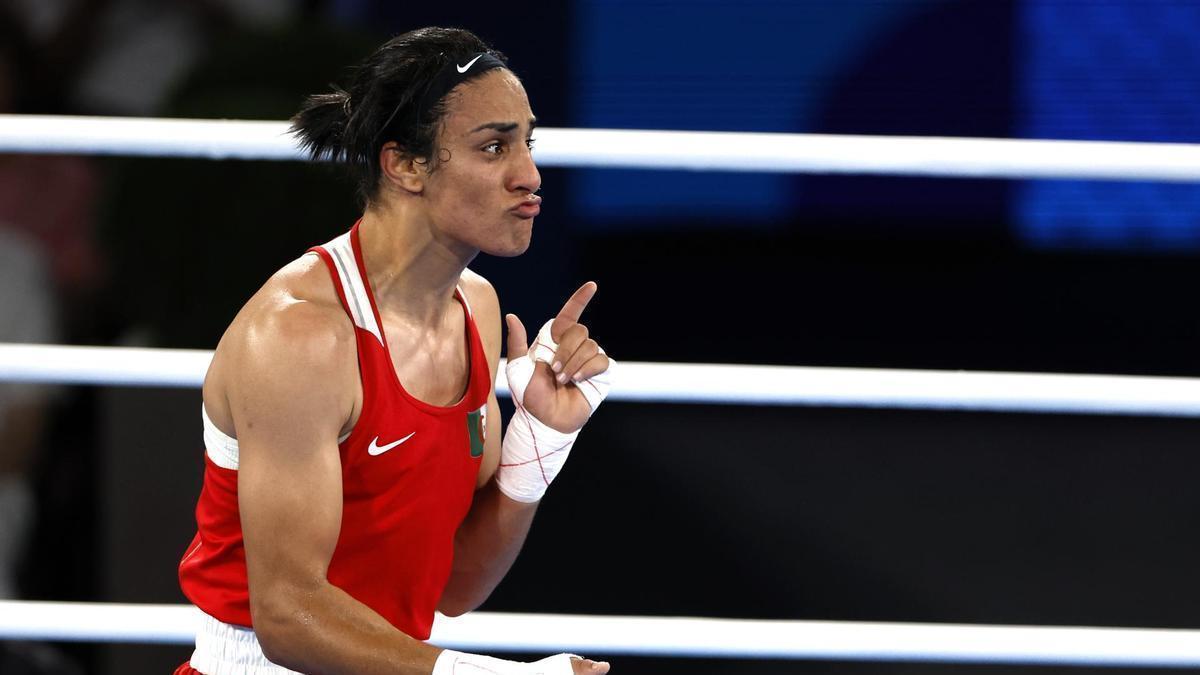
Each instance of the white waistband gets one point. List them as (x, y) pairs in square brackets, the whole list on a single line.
[(225, 649)]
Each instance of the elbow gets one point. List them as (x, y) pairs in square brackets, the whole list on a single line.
[(454, 610), (276, 622), (273, 646), (455, 606)]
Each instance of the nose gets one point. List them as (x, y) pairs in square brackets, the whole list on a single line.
[(525, 176)]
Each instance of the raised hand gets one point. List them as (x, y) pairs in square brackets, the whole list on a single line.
[(552, 395)]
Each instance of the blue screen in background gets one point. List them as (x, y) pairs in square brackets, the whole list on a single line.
[(756, 65), (1103, 70), (1113, 70)]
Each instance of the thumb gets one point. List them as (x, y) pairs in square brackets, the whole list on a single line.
[(518, 344)]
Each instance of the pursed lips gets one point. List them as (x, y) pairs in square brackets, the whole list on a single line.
[(529, 207)]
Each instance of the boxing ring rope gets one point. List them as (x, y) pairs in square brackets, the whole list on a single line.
[(701, 383), (662, 382), (673, 636), (641, 149)]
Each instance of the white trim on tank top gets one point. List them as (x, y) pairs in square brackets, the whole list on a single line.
[(222, 449), (353, 285)]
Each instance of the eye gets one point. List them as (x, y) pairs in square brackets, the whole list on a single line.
[(529, 142), (495, 148)]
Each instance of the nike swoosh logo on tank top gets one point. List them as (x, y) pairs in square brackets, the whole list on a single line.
[(375, 449)]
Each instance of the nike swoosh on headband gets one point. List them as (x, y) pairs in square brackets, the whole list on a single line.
[(463, 69), (375, 449)]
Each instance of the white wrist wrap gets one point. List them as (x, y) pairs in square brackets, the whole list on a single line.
[(532, 453), (450, 662)]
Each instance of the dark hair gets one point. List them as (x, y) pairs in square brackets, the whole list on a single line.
[(384, 103)]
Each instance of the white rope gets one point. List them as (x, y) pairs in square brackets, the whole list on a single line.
[(701, 383), (136, 136), (98, 622), (833, 640), (124, 366), (661, 636), (695, 150)]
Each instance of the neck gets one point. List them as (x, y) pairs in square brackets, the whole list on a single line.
[(411, 270)]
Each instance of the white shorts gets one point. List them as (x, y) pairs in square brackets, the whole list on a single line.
[(226, 649)]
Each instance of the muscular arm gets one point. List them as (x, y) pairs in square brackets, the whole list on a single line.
[(290, 390), (491, 536)]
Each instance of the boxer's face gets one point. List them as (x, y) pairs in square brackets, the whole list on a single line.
[(481, 191)]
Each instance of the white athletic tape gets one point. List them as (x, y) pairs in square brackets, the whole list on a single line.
[(450, 662), (532, 453), (595, 388)]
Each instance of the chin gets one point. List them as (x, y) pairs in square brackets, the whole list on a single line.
[(515, 246), (512, 251)]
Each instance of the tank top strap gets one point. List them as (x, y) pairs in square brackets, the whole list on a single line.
[(343, 257), (340, 256), (480, 386), (462, 298)]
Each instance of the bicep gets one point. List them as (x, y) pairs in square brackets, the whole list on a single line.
[(288, 400), (290, 503)]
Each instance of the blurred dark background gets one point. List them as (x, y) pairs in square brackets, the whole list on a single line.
[(757, 512)]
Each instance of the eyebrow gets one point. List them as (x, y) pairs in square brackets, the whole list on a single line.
[(504, 127)]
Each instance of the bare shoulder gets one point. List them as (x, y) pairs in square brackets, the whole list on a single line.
[(480, 292), (485, 305), (297, 311), (291, 341)]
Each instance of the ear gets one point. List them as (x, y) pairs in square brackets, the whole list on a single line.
[(401, 169)]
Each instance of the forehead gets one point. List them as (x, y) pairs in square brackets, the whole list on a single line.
[(497, 96)]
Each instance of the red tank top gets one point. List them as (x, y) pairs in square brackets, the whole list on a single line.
[(408, 476)]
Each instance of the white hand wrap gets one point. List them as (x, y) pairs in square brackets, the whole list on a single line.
[(450, 662), (532, 453), (594, 388)]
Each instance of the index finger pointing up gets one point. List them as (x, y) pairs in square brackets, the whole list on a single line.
[(574, 307)]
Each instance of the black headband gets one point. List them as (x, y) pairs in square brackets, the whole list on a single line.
[(450, 76), (453, 74)]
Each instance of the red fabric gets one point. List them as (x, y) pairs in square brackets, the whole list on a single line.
[(400, 509), (187, 669)]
